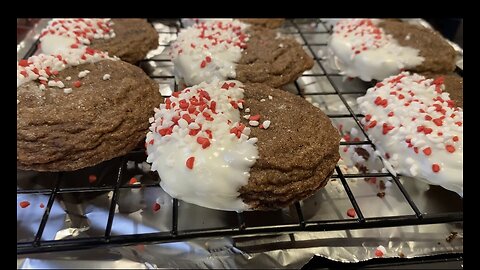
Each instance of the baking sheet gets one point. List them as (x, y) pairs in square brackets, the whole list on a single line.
[(84, 214)]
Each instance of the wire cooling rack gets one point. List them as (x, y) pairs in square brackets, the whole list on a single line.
[(321, 84)]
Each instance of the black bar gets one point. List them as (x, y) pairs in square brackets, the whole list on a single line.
[(174, 217), (350, 195), (43, 223), (113, 204), (300, 214)]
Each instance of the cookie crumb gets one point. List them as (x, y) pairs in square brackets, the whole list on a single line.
[(381, 194), (401, 255), (451, 237)]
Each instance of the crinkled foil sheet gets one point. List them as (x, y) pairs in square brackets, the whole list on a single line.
[(77, 215)]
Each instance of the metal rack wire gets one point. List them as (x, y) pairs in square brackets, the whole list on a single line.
[(60, 187)]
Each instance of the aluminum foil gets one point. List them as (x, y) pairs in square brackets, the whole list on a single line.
[(84, 214)]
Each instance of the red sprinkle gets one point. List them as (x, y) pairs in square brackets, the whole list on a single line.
[(455, 138), (77, 84), (24, 73), (132, 181), (368, 117), (203, 141), (254, 117), (427, 151), (189, 162), (435, 167), (203, 64), (438, 122), (23, 63), (378, 253), (372, 124), (208, 59), (450, 148), (92, 178), (390, 114), (225, 85), (42, 205), (351, 213), (24, 204), (156, 207), (74, 46)]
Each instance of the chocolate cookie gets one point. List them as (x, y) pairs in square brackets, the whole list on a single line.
[(271, 23), (238, 147), (439, 55), (375, 49), (218, 50), (297, 153), (134, 39), (128, 39), (81, 115), (272, 60)]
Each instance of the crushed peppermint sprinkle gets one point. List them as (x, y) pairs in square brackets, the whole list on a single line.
[(266, 124), (83, 73), (210, 49), (24, 204), (197, 134), (380, 251), (428, 130), (44, 68), (253, 123), (364, 33), (82, 31), (106, 77)]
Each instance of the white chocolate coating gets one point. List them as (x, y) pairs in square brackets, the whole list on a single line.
[(417, 128), (361, 49), (192, 125)]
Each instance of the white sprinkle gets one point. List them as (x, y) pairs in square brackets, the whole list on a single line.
[(262, 100), (83, 73), (270, 97), (247, 110), (251, 140), (151, 119), (407, 37), (106, 77), (247, 131), (266, 124), (52, 83), (67, 90), (42, 78), (68, 78), (240, 105), (253, 123), (280, 45), (193, 126), (183, 123), (42, 87), (18, 101), (60, 84), (246, 116)]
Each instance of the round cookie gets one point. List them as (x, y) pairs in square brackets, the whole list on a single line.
[(128, 39), (233, 146), (219, 50), (79, 112), (417, 128), (376, 49)]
